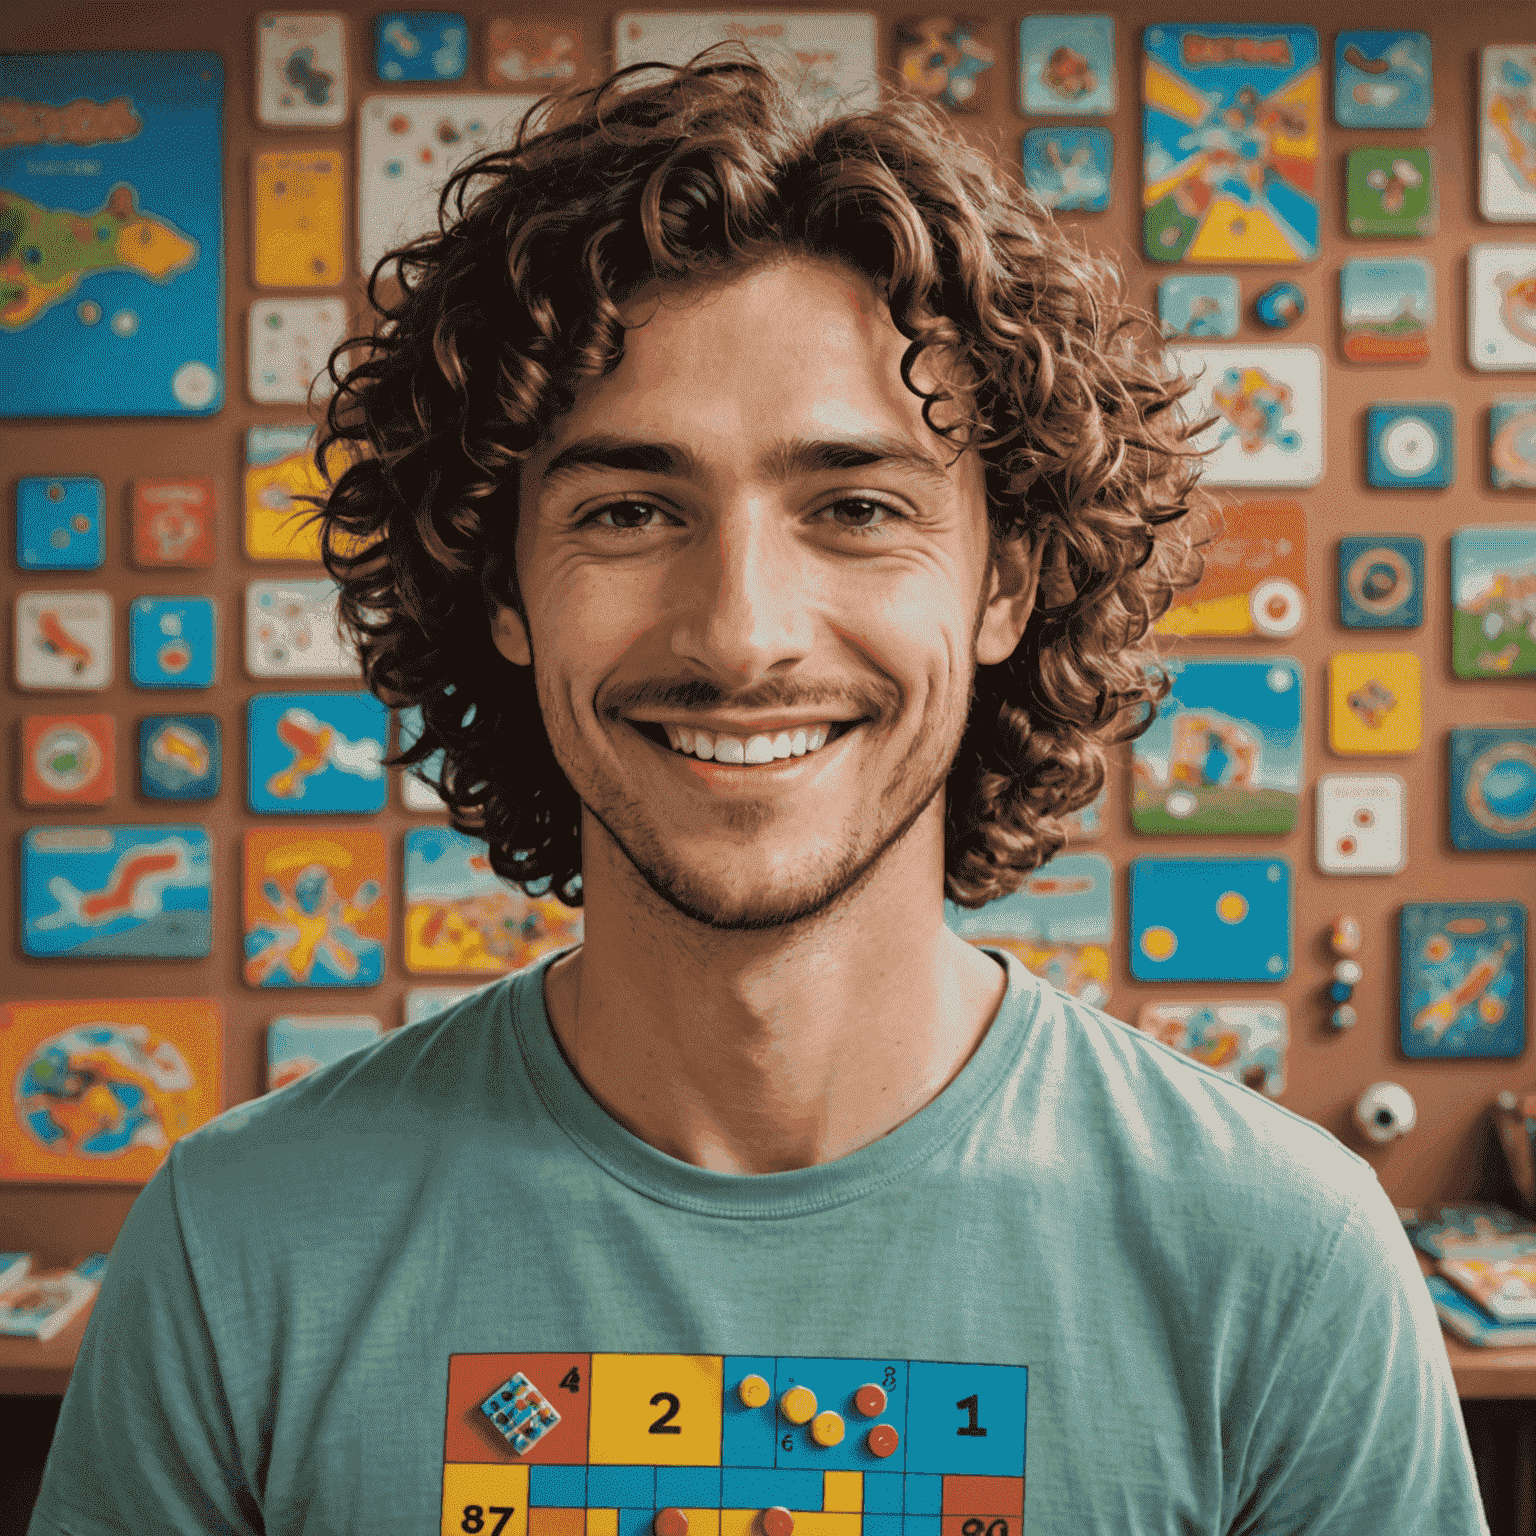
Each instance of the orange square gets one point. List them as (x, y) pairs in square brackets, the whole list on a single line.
[(173, 522), (104, 1109), (68, 759), (533, 51)]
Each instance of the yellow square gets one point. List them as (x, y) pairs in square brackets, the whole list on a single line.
[(637, 1399), (1375, 704), (842, 1491), (296, 219), (602, 1522), (472, 1488)]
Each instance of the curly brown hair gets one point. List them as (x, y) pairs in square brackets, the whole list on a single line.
[(500, 316)]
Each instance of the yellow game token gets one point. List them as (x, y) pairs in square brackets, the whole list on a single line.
[(798, 1405), (753, 1391), (827, 1428)]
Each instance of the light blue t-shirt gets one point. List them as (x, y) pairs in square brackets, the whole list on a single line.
[(1093, 1287)]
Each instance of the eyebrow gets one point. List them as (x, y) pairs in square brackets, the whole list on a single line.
[(783, 461)]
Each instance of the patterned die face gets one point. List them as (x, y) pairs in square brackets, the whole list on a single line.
[(519, 1412)]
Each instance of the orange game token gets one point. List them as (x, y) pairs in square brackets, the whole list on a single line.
[(670, 1522), (870, 1400), (881, 1440), (778, 1521)]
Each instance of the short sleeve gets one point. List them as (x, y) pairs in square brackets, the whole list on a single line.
[(1361, 1428), (144, 1438)]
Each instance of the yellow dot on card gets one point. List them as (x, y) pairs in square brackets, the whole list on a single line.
[(1231, 908), (1159, 943)]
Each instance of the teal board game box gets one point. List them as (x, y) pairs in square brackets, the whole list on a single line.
[(111, 234)]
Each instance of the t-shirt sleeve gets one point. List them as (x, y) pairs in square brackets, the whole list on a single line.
[(1361, 1428), (145, 1440)]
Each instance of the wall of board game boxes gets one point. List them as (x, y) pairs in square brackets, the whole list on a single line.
[(1314, 873)]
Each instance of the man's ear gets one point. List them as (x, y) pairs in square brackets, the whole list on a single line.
[(1015, 580), (510, 635)]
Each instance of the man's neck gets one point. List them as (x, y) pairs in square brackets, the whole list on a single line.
[(784, 1060)]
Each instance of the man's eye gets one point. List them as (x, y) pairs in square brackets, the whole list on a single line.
[(621, 511)]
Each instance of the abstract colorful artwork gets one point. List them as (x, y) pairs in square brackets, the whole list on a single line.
[(63, 641), (135, 892), (1244, 1041), (1059, 923), (316, 908), (1267, 402), (947, 59), (1194, 304), (420, 45), (1255, 577), (1501, 325), (1493, 786), (172, 642), (1507, 134), (1410, 445), (174, 521), (1512, 444), (1067, 66), (538, 51), (1069, 169), (68, 759), (1462, 985), (1375, 703), (1386, 309), (1224, 752), (1391, 193), (1383, 80), (290, 346), (316, 752), (1381, 581), (180, 757), (292, 630), (301, 70), (298, 213), (461, 916), (1231, 129), (1493, 595)]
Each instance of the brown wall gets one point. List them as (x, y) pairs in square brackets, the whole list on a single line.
[(1444, 1159)]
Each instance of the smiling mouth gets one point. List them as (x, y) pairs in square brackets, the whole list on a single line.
[(656, 733)]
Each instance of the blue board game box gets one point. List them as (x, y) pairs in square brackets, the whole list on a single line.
[(111, 234)]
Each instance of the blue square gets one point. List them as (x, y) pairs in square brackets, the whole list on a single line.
[(1211, 919), (1461, 978), (1381, 581), (316, 753), (171, 642), (420, 45), (1383, 80), (180, 757), (1069, 169), (1493, 786), (59, 523), (1410, 445), (1198, 304)]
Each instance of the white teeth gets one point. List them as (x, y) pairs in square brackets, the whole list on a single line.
[(746, 750)]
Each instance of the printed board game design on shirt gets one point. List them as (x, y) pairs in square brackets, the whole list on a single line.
[(461, 916), (1232, 132), (97, 1091), (111, 186), (733, 1445), (1059, 923)]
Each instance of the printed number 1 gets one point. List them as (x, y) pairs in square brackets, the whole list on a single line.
[(969, 1404), (474, 1518)]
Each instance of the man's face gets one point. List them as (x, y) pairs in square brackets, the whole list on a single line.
[(686, 559)]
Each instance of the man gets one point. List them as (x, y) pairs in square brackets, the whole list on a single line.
[(768, 519)]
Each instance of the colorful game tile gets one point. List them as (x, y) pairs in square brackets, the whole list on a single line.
[(301, 70), (1280, 306), (1501, 330), (1506, 148), (1386, 308), (1383, 80), (280, 470), (1069, 169), (1375, 703), (174, 522), (292, 629), (1493, 786), (180, 757), (156, 1063), (1268, 405), (1462, 978), (1493, 596), (1512, 444), (534, 51), (1211, 919), (1362, 824), (1194, 304), (68, 759), (59, 522), (298, 198), (138, 892), (1255, 578), (291, 341), (172, 642), (1390, 192), (1231, 131), (947, 59), (1410, 446), (1067, 66), (316, 907), (310, 753), (420, 45), (1060, 923), (461, 916), (408, 146), (1381, 581), (63, 641), (416, 795), (833, 57), (1223, 753), (298, 1045), (118, 311), (422, 1003), (1244, 1041)]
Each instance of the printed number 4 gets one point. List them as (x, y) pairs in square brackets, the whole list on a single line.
[(474, 1518)]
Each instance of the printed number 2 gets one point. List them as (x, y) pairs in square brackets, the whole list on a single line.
[(474, 1518), (664, 1425)]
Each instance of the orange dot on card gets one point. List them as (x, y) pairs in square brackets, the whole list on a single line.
[(1231, 907)]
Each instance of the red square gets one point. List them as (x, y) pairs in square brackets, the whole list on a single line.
[(173, 521), (68, 759)]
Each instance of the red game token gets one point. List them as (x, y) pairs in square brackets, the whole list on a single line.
[(778, 1521), (870, 1400), (670, 1522), (881, 1440)]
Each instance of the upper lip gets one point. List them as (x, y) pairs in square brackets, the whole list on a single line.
[(762, 725)]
